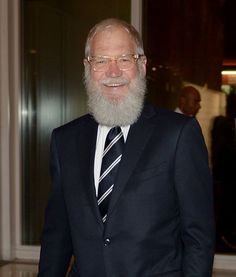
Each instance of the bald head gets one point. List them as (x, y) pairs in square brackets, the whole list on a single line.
[(189, 101)]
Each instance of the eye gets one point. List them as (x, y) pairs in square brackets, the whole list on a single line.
[(125, 59), (100, 61)]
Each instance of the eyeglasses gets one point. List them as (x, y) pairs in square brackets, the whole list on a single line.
[(124, 62)]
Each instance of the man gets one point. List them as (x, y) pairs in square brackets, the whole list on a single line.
[(189, 101), (156, 217)]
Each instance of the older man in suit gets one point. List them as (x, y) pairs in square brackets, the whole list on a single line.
[(132, 191)]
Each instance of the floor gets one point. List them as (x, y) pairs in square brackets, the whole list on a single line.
[(18, 270), (224, 274), (30, 270)]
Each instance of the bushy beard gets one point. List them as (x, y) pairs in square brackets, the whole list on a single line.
[(113, 112)]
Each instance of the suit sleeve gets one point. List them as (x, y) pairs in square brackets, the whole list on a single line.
[(195, 195), (56, 246)]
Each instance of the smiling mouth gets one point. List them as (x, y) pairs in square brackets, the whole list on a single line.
[(114, 85), (115, 82)]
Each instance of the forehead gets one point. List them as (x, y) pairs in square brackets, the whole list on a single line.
[(112, 41), (196, 96)]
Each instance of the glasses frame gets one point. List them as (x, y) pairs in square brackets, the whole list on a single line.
[(136, 57)]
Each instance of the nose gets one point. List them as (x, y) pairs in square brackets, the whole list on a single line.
[(113, 69)]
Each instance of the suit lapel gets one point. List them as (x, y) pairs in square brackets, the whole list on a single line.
[(87, 144), (138, 137)]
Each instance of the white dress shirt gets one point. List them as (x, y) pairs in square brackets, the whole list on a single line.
[(177, 110), (101, 138)]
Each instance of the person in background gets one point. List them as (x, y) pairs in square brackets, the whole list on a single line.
[(189, 101), (131, 187)]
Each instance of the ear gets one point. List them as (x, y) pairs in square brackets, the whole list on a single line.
[(86, 63), (144, 64)]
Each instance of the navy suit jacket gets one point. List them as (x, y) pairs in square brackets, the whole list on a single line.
[(160, 220)]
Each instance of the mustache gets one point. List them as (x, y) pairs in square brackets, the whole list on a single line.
[(110, 81)]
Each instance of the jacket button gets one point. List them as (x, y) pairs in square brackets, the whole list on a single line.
[(107, 241)]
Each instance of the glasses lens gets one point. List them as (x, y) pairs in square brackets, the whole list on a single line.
[(99, 64), (125, 62)]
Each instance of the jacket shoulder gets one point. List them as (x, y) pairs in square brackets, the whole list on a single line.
[(75, 123), (157, 114)]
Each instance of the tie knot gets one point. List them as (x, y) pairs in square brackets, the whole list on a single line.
[(114, 132), (114, 135)]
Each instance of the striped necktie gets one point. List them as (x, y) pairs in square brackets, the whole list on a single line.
[(110, 162)]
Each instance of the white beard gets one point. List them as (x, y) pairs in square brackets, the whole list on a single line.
[(112, 112)]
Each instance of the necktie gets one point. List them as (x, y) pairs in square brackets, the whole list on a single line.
[(110, 162)]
